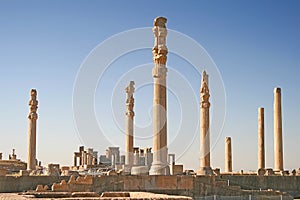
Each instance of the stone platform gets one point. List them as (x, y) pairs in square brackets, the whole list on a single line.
[(224, 186)]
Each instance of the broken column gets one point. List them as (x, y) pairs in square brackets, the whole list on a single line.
[(159, 72), (205, 168), (261, 139), (278, 149), (228, 155), (136, 156), (129, 126), (89, 156), (32, 117)]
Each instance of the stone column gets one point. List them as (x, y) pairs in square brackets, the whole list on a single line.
[(159, 72), (136, 157), (205, 168), (75, 159), (129, 125), (89, 156), (32, 117), (261, 139), (84, 158), (228, 155), (278, 149)]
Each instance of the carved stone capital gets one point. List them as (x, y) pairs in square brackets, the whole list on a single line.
[(33, 116), (130, 113)]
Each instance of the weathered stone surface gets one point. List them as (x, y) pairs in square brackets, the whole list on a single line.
[(261, 172), (39, 188), (24, 172), (85, 194), (176, 169), (87, 180), (115, 194), (60, 187), (2, 172)]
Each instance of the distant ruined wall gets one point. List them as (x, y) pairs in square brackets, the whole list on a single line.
[(24, 183)]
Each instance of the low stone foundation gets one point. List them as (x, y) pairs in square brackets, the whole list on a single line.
[(192, 186)]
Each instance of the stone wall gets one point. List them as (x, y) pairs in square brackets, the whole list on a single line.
[(25, 183), (196, 187), (290, 184)]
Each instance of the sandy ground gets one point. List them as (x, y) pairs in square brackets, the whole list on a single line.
[(15, 196)]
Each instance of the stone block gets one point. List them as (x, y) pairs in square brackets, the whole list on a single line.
[(72, 180), (25, 172), (217, 171), (261, 172), (2, 172), (87, 180), (85, 194), (166, 182), (60, 187), (65, 168), (139, 170), (176, 169), (40, 188), (115, 194), (185, 182), (269, 172)]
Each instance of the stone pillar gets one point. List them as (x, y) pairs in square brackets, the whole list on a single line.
[(75, 159), (228, 155), (32, 117), (205, 168), (81, 149), (95, 158), (84, 158), (129, 125), (89, 156), (278, 149), (159, 72), (136, 157), (261, 139), (171, 159)]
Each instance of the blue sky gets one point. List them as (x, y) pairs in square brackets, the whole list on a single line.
[(255, 45)]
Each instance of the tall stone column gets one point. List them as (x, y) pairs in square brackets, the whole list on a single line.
[(32, 118), (261, 139), (278, 149), (228, 155), (159, 72), (205, 168), (129, 125)]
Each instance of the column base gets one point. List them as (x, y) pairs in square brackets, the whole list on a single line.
[(207, 171), (159, 168), (127, 169)]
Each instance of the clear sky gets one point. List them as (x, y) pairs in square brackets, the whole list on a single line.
[(254, 44)]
